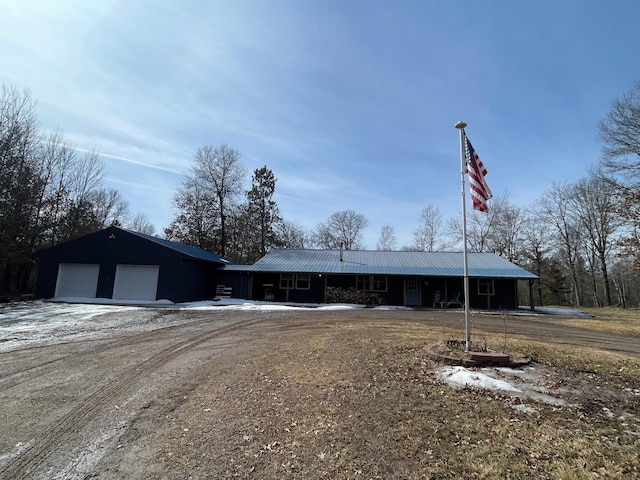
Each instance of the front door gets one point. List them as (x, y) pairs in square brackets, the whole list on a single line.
[(412, 291)]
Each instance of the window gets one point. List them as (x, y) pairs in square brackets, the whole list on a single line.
[(412, 284), (379, 283), (485, 286), (371, 283), (362, 282), (303, 281), (286, 281)]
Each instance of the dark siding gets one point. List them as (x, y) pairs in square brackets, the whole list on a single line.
[(504, 295), (194, 285), (238, 281), (395, 291), (47, 276), (258, 282), (314, 295), (180, 278), (341, 281)]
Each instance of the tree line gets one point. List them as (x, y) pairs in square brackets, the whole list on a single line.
[(50, 192), (214, 212), (581, 238)]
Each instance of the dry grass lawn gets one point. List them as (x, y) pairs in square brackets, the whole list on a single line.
[(361, 401)]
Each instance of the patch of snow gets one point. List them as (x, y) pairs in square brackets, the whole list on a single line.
[(529, 383), (111, 301), (29, 322), (553, 311), (240, 304), (17, 450), (522, 408), (44, 321), (461, 377), (634, 391)]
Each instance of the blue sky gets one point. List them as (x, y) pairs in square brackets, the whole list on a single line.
[(350, 103)]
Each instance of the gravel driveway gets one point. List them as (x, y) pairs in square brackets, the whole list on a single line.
[(91, 391)]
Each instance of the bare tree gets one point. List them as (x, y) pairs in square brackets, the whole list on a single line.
[(196, 223), (82, 181), (426, 237), (221, 173), (140, 223), (48, 191), (109, 207), (592, 204), (536, 245), (506, 229), (626, 281), (342, 229), (555, 206), (207, 198), (479, 231), (387, 240), (291, 234), (620, 133), (20, 183), (57, 160)]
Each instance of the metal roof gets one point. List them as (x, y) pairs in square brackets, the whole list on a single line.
[(194, 252), (375, 262)]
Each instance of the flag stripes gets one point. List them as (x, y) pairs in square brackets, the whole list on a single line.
[(480, 192)]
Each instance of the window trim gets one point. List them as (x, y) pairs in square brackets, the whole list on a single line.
[(305, 278), (486, 286), (363, 282), (287, 281), (295, 281), (367, 283), (376, 279)]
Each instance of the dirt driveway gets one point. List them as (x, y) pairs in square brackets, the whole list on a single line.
[(169, 393)]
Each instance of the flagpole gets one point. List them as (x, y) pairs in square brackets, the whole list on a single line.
[(463, 169)]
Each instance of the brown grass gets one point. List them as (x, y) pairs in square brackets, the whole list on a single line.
[(625, 321), (360, 401)]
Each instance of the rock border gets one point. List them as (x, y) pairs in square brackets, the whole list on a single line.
[(478, 359)]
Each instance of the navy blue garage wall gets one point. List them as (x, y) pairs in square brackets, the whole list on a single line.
[(196, 281), (180, 278)]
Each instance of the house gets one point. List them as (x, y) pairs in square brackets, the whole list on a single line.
[(126, 265), (421, 279)]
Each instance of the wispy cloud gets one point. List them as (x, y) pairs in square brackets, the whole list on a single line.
[(351, 104)]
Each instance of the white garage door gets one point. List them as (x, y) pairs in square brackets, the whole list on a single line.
[(77, 280), (136, 282)]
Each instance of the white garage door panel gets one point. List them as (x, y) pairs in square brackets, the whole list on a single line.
[(136, 282), (77, 280)]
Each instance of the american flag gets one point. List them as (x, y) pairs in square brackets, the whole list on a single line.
[(480, 192)]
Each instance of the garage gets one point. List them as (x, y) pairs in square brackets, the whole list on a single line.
[(77, 280), (136, 282), (129, 265)]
